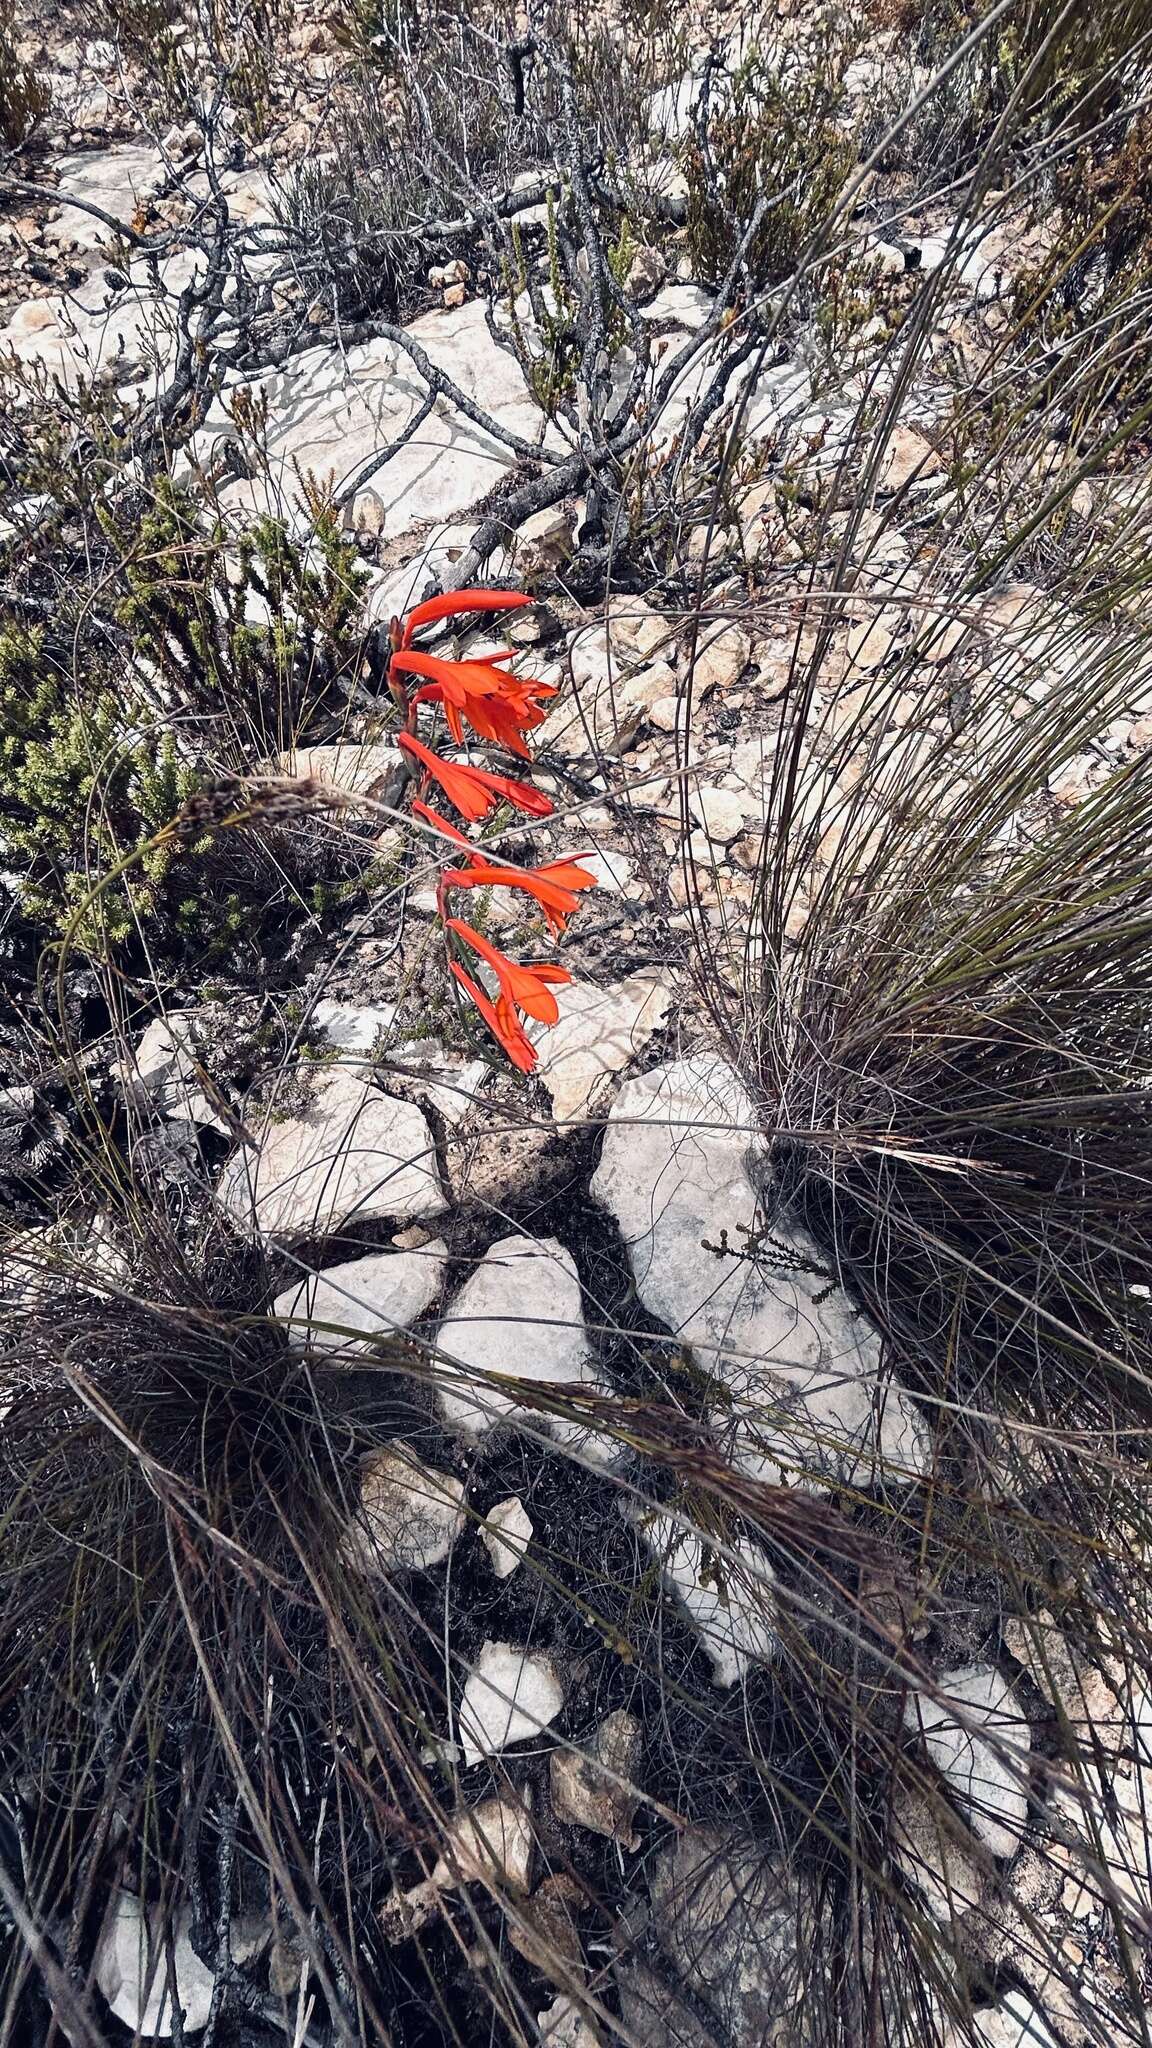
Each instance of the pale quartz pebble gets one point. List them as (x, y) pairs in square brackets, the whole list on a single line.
[(520, 1315), (505, 1533), (594, 1787), (163, 1071), (131, 1969), (871, 643), (563, 2025), (363, 1299), (989, 1777), (727, 1591), (491, 1843), (807, 1379), (510, 1694), (721, 811), (599, 1032), (362, 771), (354, 1027), (351, 1154), (613, 871), (721, 657), (410, 1515)]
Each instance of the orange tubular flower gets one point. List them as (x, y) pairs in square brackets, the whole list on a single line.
[(526, 987), (454, 601), (497, 706), (502, 1021), (473, 790), (432, 817), (554, 885)]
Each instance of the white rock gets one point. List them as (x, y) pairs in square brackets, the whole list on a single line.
[(410, 1515), (331, 410), (363, 771), (116, 180), (637, 636), (909, 458), (804, 1369), (494, 1839), (721, 657), (491, 1843), (990, 1779), (518, 1316), (163, 1072), (449, 1086), (613, 871), (685, 305), (132, 1969), (805, 1372), (727, 1593), (506, 1532), (351, 1154), (940, 635), (606, 702), (563, 2025), (354, 1027), (934, 1855), (595, 1787), (722, 812), (870, 643), (511, 1694), (367, 1297), (392, 592), (599, 1031)]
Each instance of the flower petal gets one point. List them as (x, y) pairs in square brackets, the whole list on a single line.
[(454, 601)]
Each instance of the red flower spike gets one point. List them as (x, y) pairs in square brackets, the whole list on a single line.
[(501, 1020), (455, 601), (497, 706), (473, 790), (526, 987), (554, 886), (432, 817)]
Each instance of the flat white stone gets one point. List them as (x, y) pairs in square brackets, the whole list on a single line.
[(519, 1315), (354, 1027), (132, 1969), (362, 770), (366, 1297), (727, 1593), (613, 871), (805, 1371), (352, 1154), (563, 2025), (330, 411), (506, 1532), (600, 1030), (492, 1843), (990, 1779), (410, 1515), (722, 812), (163, 1071), (1015, 2023), (494, 1839), (392, 592), (116, 180), (684, 305), (510, 1694)]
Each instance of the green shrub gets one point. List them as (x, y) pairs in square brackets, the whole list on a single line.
[(775, 137), (95, 759), (78, 791), (187, 595)]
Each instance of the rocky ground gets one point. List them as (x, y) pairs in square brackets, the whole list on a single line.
[(574, 1296)]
